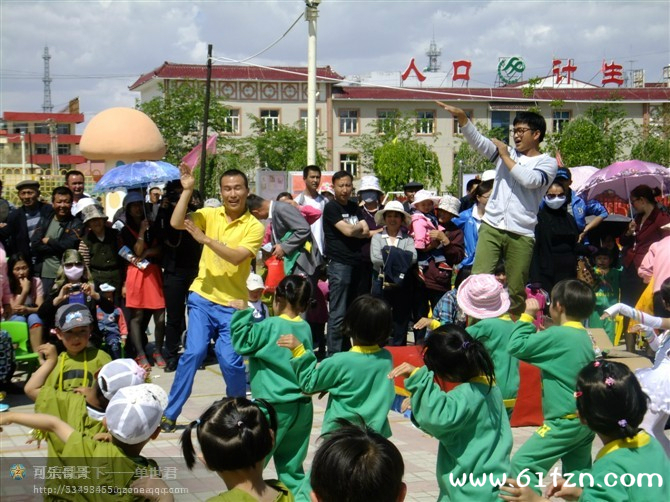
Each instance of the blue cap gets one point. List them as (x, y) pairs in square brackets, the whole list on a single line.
[(563, 173)]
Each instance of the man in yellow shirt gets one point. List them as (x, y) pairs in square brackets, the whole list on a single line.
[(231, 237)]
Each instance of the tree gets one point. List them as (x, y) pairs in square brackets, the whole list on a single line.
[(279, 148), (654, 144), (393, 152), (470, 159), (597, 138)]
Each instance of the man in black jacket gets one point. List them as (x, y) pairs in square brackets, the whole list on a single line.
[(55, 233)]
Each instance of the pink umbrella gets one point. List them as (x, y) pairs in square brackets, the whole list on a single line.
[(622, 177), (579, 176)]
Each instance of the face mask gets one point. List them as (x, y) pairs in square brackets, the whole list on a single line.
[(95, 413), (554, 203), (369, 196), (74, 273)]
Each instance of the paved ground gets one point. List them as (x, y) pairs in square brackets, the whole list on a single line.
[(419, 450)]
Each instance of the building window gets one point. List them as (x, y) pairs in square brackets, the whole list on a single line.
[(63, 129), (303, 120), (457, 127), (232, 122), (64, 149), (425, 121), (349, 122), (270, 120), (559, 119), (41, 129), (349, 163), (42, 149), (20, 127), (387, 121), (500, 124)]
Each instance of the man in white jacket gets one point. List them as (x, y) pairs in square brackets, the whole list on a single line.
[(523, 175)]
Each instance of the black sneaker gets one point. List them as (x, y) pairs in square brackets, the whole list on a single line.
[(168, 425), (171, 366)]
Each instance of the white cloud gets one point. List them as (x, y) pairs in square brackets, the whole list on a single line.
[(122, 40)]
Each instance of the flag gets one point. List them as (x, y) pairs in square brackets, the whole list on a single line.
[(192, 158), (559, 160)]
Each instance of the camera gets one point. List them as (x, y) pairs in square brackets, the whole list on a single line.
[(75, 288)]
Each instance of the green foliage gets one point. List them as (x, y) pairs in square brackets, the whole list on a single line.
[(471, 161), (597, 138), (282, 148), (393, 152), (654, 142)]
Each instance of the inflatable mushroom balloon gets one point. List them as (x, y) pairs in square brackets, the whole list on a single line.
[(119, 136)]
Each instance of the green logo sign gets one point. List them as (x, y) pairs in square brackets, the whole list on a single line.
[(510, 70)]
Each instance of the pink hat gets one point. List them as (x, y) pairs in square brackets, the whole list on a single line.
[(481, 296)]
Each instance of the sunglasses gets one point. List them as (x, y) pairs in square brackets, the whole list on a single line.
[(70, 265), (551, 196)]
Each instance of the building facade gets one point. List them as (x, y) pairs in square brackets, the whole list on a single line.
[(348, 109)]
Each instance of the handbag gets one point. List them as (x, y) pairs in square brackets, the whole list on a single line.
[(275, 275), (585, 272)]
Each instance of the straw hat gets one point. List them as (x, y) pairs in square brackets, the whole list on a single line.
[(394, 206), (422, 195)]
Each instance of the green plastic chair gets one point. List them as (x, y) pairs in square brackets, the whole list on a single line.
[(18, 331)]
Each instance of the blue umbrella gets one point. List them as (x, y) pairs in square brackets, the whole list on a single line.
[(136, 175)]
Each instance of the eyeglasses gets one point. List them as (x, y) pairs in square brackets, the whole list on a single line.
[(521, 130), (70, 265), (551, 196)]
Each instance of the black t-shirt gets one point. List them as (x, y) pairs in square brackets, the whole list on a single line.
[(340, 248)]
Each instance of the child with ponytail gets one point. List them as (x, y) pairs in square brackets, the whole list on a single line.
[(235, 438), (272, 377), (631, 465), (470, 421)]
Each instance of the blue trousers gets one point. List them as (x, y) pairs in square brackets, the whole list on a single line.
[(206, 321)]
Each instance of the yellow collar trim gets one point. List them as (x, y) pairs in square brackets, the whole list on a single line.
[(574, 324), (365, 349), (292, 319), (481, 379), (640, 439), (505, 317)]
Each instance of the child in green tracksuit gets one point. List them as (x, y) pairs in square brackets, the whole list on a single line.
[(273, 379), (631, 465), (560, 352), (132, 417), (78, 363), (485, 301), (469, 421), (356, 380)]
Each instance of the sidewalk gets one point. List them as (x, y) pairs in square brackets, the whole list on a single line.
[(418, 449)]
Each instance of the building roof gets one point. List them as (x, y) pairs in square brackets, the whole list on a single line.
[(60, 118), (644, 94), (233, 72)]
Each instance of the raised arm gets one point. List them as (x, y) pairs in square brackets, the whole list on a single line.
[(180, 210), (39, 421)]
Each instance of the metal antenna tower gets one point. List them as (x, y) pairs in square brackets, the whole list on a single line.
[(433, 54), (46, 105)]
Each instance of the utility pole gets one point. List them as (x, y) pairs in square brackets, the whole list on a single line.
[(311, 13), (23, 154), (205, 123)]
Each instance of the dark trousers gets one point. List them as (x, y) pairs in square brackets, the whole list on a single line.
[(175, 290), (401, 308), (343, 284)]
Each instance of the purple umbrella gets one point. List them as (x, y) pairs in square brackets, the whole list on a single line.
[(622, 177)]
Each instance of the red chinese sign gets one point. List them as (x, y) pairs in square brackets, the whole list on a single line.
[(462, 70), (560, 72), (412, 68), (612, 73)]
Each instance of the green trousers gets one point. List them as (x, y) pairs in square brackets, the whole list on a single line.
[(294, 426), (517, 251), (565, 439)]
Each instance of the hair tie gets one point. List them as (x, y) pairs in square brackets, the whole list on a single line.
[(465, 345), (578, 393), (609, 381), (197, 422), (622, 423), (240, 423), (596, 364)]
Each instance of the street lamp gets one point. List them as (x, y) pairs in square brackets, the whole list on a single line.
[(311, 13)]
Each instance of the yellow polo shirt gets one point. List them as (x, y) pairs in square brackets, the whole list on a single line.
[(219, 281)]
